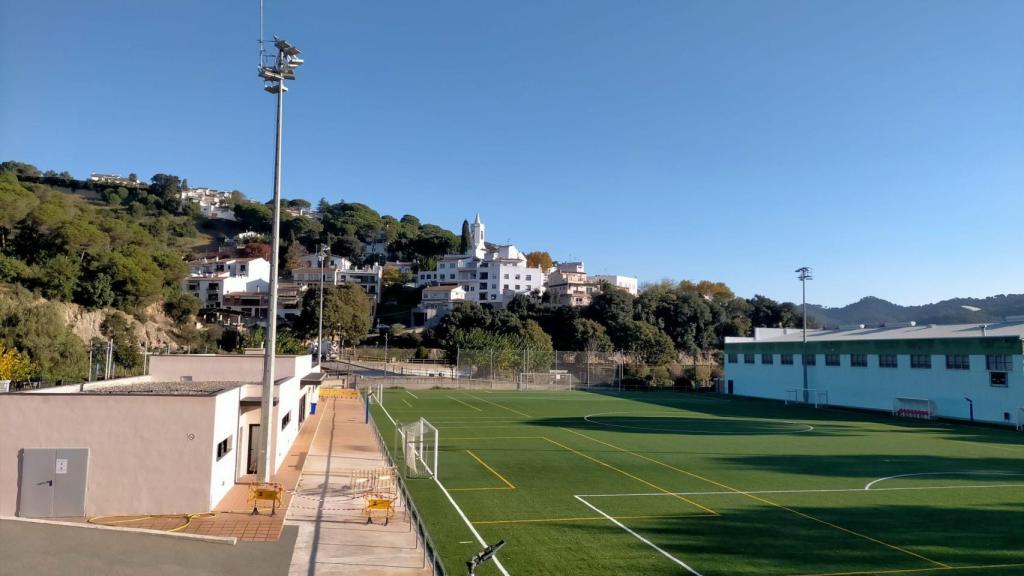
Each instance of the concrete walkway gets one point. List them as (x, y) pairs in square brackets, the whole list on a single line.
[(334, 537)]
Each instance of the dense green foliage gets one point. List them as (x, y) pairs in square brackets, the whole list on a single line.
[(39, 330), (346, 314)]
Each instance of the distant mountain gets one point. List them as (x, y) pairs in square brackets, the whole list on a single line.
[(875, 311)]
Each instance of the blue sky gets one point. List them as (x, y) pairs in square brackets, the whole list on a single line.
[(880, 142)]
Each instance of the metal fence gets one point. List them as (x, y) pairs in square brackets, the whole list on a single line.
[(431, 555), (587, 369)]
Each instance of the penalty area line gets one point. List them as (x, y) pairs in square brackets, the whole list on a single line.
[(639, 537)]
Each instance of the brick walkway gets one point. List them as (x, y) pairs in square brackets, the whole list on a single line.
[(334, 538)]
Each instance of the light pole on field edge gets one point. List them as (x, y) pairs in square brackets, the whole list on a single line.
[(274, 70), (804, 275), (322, 254)]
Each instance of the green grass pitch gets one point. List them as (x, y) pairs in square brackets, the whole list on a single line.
[(669, 483)]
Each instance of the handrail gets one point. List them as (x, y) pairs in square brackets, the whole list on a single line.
[(429, 549)]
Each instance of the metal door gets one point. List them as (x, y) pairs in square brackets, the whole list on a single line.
[(255, 441), (71, 467), (35, 489)]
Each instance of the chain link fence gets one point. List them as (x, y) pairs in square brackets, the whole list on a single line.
[(520, 368)]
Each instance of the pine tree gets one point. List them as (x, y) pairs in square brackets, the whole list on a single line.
[(464, 243)]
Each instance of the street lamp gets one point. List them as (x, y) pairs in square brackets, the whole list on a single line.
[(804, 274), (322, 254), (274, 70)]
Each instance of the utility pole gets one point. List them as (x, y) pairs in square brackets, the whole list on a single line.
[(274, 71), (323, 253), (804, 275)]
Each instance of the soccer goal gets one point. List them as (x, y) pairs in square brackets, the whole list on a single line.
[(550, 380), (419, 448), (813, 396), (922, 408)]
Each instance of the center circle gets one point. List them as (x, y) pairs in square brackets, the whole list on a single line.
[(672, 422)]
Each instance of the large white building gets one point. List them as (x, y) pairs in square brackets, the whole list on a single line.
[(340, 270), (211, 280), (627, 283), (947, 371), (489, 273)]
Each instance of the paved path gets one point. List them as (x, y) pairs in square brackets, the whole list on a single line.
[(334, 538)]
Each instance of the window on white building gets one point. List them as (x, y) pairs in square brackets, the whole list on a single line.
[(506, 276), (529, 277), (517, 286)]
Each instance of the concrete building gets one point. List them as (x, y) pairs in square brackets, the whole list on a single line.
[(489, 273), (627, 283), (113, 180), (337, 271), (212, 203), (438, 301), (171, 442), (211, 280), (568, 285), (905, 368)]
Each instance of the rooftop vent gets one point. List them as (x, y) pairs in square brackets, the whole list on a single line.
[(910, 324)]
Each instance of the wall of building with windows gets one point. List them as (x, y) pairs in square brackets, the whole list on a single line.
[(872, 373)]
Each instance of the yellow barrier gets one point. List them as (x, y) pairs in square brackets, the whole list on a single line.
[(271, 491), (343, 393), (380, 508)]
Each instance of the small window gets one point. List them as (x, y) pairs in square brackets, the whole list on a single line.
[(999, 363), (958, 362), (887, 361), (810, 360), (859, 360), (224, 447), (483, 275), (506, 276), (998, 379), (748, 358), (733, 358), (506, 285), (529, 276), (831, 359), (786, 359), (517, 286), (920, 360), (483, 285), (285, 420), (517, 276), (767, 358)]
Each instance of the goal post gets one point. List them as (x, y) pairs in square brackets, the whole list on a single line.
[(816, 397), (923, 408), (419, 441), (550, 380)]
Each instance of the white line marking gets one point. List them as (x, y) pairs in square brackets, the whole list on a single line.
[(413, 395), (639, 537), (393, 423), (813, 491), (806, 427), (469, 524), (967, 473)]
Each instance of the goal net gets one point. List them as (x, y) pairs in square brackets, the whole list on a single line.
[(550, 380), (913, 408), (419, 449), (813, 396)]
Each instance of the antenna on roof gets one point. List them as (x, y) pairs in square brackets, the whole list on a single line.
[(260, 39)]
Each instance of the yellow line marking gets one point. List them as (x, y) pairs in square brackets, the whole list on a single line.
[(637, 478), (465, 404), (913, 570), (493, 471), (584, 518), (406, 402), (765, 501), (497, 438), (500, 406), (475, 489)]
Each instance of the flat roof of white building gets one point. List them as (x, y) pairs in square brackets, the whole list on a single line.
[(900, 331), (160, 388)]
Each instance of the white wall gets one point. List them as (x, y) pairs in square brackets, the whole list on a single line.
[(224, 425), (875, 388)]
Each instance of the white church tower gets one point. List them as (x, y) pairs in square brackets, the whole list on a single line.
[(476, 234)]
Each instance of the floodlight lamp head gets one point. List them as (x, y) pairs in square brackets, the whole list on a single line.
[(285, 47)]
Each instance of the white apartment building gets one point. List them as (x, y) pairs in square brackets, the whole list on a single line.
[(211, 280), (627, 283), (112, 179), (438, 301), (489, 273), (211, 202), (340, 270)]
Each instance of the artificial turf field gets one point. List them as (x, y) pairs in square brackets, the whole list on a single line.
[(666, 483)]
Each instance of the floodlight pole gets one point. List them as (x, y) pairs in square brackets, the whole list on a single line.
[(804, 275), (274, 77)]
